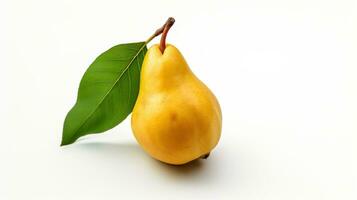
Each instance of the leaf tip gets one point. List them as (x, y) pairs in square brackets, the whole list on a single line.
[(66, 141), (63, 143)]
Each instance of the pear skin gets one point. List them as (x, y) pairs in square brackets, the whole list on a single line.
[(176, 118)]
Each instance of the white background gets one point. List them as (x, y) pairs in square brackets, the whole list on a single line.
[(285, 73)]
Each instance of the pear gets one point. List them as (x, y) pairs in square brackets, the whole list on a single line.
[(176, 118)]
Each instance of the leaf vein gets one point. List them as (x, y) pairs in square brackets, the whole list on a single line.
[(111, 88)]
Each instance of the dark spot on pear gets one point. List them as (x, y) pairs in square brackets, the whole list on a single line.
[(173, 116)]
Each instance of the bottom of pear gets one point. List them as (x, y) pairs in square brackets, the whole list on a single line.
[(205, 156)]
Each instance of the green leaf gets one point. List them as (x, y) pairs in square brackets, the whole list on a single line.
[(107, 92)]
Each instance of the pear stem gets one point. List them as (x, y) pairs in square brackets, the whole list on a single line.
[(167, 27), (169, 22)]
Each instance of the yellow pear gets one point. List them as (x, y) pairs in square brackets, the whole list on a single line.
[(176, 118)]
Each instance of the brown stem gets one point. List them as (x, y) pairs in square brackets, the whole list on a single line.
[(167, 27), (170, 20)]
